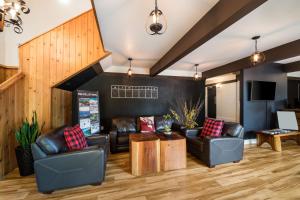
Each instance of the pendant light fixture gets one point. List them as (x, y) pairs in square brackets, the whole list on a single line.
[(129, 70), (196, 75), (257, 57), (157, 23), (10, 14)]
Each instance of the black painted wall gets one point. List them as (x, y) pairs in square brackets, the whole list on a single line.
[(260, 115), (170, 88), (293, 93)]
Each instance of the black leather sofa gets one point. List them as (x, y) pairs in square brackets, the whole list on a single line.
[(123, 126), (213, 151), (56, 168)]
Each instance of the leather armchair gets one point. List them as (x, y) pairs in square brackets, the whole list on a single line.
[(56, 168), (213, 151)]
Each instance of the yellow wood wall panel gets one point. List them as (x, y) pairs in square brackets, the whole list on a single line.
[(54, 56), (6, 73), (46, 60)]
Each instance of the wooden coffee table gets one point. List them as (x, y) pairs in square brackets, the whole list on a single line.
[(144, 153), (172, 151), (275, 140)]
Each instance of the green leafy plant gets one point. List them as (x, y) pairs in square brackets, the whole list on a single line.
[(167, 118), (28, 133), (186, 113)]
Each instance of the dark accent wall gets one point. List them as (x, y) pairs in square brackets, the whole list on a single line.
[(260, 115), (293, 92), (170, 88)]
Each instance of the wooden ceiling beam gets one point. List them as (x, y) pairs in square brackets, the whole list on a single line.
[(220, 17), (292, 67), (282, 52)]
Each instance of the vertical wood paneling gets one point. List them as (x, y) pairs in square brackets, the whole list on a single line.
[(11, 115), (52, 57), (78, 44), (45, 61), (6, 73)]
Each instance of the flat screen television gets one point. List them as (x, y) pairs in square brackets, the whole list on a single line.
[(262, 90)]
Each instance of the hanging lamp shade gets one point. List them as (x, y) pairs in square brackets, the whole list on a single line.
[(257, 57), (129, 72), (157, 22)]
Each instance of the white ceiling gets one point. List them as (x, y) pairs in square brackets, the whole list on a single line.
[(122, 25)]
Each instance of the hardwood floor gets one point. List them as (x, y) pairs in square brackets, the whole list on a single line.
[(263, 174)]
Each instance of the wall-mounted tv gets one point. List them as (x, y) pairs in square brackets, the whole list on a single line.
[(262, 90)]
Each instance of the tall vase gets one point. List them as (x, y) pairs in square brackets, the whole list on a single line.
[(24, 160)]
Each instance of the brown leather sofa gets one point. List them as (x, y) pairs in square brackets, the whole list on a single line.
[(123, 126)]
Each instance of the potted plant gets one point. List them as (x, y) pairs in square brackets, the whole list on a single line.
[(26, 135), (167, 125), (186, 114)]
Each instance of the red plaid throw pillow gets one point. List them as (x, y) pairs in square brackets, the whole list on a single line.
[(75, 138), (212, 127)]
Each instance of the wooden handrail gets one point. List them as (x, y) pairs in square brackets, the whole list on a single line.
[(9, 82)]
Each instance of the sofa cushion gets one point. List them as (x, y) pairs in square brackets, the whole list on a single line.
[(53, 142), (75, 138), (232, 129), (124, 124), (147, 124), (212, 127)]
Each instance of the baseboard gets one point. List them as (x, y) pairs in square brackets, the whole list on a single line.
[(249, 141)]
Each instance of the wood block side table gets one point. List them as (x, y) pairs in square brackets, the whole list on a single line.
[(144, 154)]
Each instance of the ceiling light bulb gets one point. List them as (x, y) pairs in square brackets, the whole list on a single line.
[(129, 72), (13, 13), (256, 57), (196, 76), (17, 7)]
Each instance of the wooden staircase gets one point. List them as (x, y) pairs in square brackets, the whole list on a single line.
[(45, 61)]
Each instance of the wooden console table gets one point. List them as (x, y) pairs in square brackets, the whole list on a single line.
[(275, 140)]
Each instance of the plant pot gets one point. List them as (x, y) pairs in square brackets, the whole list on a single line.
[(24, 160)]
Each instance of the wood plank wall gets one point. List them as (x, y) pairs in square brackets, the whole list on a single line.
[(54, 56), (46, 60), (11, 115), (6, 73)]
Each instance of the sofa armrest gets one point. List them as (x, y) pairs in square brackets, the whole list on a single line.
[(223, 149), (113, 134), (100, 139), (37, 152), (70, 169)]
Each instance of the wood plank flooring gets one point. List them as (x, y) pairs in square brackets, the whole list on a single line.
[(263, 174)]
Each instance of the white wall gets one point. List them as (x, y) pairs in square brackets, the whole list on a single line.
[(228, 102), (44, 15), (1, 48), (227, 98)]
